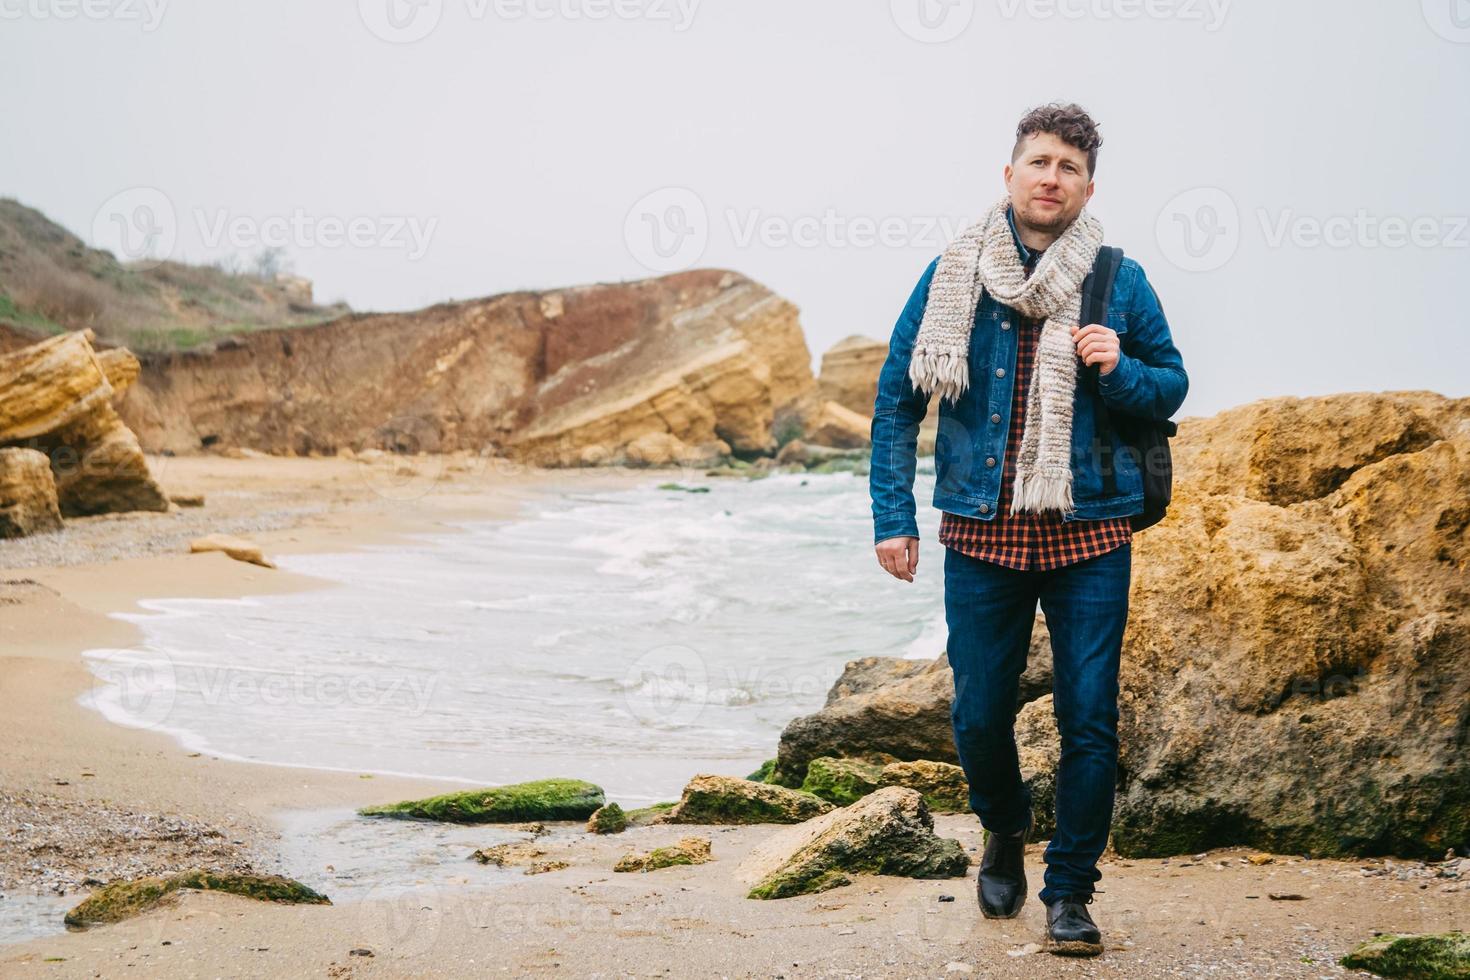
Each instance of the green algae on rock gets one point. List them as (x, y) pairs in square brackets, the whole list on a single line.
[(764, 773), (541, 799), (124, 899), (889, 832), (841, 781), (1430, 956), (689, 850), (731, 800), (609, 819), (942, 784), (647, 815)]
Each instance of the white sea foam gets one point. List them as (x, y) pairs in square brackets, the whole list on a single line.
[(633, 637)]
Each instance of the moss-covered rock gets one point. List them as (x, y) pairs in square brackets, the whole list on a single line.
[(1430, 956), (763, 774), (841, 781), (123, 899), (689, 850), (541, 799), (730, 800), (888, 832), (645, 816), (511, 852), (609, 819), (943, 786), (542, 867)]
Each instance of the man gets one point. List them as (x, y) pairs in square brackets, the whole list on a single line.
[(992, 327)]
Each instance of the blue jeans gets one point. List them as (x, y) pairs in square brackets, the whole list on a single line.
[(990, 610)]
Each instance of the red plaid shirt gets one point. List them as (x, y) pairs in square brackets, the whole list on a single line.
[(1029, 541)]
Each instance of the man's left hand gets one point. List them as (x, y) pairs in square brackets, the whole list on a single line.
[(1096, 344)]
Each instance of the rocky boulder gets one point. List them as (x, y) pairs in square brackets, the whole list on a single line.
[(709, 799), (27, 494), (1296, 671), (849, 373), (56, 400), (942, 784), (838, 427), (889, 832), (893, 707), (688, 850)]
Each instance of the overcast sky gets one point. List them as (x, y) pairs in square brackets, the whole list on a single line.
[(1292, 176)]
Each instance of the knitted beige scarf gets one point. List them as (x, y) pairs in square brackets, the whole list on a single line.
[(984, 256)]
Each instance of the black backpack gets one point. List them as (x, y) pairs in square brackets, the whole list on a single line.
[(1147, 438)]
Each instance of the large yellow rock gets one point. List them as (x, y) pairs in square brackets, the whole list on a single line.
[(49, 385), (55, 400), (849, 373), (27, 494), (839, 427), (1297, 660)]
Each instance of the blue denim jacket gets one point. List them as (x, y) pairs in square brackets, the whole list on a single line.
[(969, 454)]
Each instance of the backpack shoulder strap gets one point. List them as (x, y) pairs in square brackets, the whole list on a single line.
[(1097, 288)]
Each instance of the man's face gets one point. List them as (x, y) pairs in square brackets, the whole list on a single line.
[(1048, 183)]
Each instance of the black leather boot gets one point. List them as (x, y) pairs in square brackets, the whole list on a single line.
[(1001, 884), (1070, 930)]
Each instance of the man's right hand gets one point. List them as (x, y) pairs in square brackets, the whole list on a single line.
[(899, 557)]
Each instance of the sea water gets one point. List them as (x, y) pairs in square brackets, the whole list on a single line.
[(631, 637)]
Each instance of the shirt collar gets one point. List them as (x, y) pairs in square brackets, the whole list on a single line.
[(1021, 249)]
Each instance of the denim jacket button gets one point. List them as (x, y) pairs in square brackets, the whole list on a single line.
[(1005, 324), (995, 417), (984, 508), (990, 461), (1000, 372)]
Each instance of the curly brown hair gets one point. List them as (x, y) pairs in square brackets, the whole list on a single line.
[(1070, 123)]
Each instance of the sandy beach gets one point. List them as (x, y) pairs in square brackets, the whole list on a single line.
[(83, 800)]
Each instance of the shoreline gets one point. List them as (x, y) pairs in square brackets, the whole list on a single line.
[(91, 785), (62, 751)]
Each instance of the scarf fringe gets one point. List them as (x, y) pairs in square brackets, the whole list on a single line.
[(1044, 489), (944, 373)]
